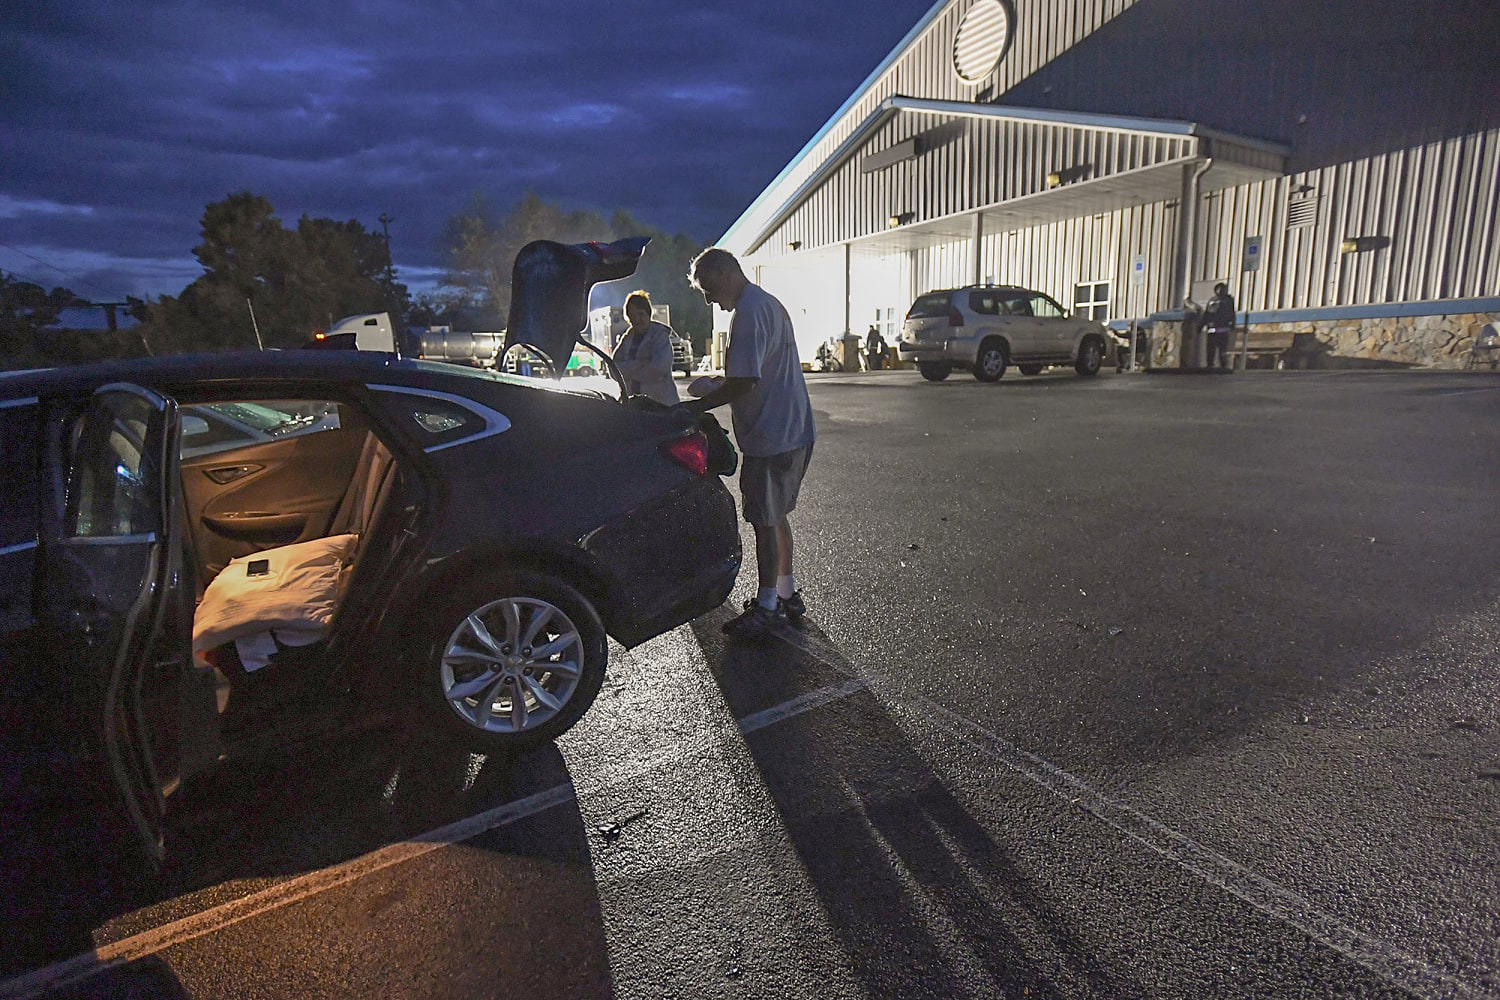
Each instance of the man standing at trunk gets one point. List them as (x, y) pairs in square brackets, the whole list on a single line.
[(773, 425)]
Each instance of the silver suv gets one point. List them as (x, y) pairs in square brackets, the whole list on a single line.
[(682, 352), (986, 328)]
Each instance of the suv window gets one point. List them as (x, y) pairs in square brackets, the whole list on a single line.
[(1043, 306), (929, 306), (1016, 304), (986, 303)]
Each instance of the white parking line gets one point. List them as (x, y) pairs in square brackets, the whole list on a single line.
[(1265, 896), (804, 703), (39, 982)]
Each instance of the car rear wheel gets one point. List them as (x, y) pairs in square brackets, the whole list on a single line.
[(1030, 369), (1090, 356), (990, 364), (511, 662), (935, 371)]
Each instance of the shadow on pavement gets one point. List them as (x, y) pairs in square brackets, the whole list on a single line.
[(922, 901), (329, 799)]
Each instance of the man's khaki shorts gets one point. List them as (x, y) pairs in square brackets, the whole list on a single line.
[(769, 484)]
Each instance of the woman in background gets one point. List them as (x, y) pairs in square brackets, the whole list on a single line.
[(644, 354)]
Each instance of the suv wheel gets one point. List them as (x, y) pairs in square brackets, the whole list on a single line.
[(1030, 369), (935, 371), (990, 364), (511, 661), (1090, 355)]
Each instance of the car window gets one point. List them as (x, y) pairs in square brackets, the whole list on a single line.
[(984, 303), (20, 485), (1043, 306), (439, 420), (1017, 305), (432, 419), (113, 487), (19, 431), (213, 427), (929, 306)]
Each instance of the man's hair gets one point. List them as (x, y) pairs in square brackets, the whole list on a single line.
[(714, 261), (639, 295), (1221, 287)]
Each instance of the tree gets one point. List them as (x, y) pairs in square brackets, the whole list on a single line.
[(25, 309), (294, 281)]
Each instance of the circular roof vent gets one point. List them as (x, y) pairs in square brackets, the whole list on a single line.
[(982, 39)]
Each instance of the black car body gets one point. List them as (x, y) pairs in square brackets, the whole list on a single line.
[(500, 528)]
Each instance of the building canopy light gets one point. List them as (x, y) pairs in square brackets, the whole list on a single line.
[(794, 245), (1066, 175), (901, 218), (1364, 244)]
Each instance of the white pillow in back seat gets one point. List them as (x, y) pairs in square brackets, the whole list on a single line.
[(289, 587)]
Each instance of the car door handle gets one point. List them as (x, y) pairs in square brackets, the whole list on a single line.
[(252, 522), (229, 473)]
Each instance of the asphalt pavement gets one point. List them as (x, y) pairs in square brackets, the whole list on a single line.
[(1133, 686)]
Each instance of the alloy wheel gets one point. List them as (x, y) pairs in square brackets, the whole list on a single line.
[(512, 664)]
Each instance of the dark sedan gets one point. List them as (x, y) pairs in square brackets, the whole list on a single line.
[(486, 532)]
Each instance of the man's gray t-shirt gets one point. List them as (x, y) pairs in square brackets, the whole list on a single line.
[(775, 416)]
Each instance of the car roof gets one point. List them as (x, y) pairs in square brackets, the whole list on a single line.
[(294, 365), (977, 288), (334, 365)]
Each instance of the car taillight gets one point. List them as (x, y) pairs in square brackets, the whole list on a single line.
[(955, 318), (689, 451)]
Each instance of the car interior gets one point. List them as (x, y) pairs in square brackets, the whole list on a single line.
[(265, 484)]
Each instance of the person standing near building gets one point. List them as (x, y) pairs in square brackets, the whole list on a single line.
[(644, 354), (874, 349), (1218, 320), (773, 425)]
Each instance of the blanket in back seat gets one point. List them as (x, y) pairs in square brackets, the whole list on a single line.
[(294, 588)]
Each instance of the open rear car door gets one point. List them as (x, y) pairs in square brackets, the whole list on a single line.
[(118, 607)]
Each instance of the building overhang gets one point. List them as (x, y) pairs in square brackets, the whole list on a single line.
[(1236, 160)]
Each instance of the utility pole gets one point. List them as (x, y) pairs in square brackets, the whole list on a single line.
[(385, 227), (254, 325)]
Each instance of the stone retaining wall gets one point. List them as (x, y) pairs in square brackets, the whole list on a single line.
[(1441, 341)]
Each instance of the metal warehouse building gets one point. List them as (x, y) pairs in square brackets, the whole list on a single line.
[(1336, 162)]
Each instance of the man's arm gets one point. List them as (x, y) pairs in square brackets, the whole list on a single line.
[(732, 389)]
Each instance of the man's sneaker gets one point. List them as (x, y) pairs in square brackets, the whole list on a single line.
[(755, 623), (794, 606)]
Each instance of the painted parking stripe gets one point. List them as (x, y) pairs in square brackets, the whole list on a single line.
[(800, 704), (1269, 898), (39, 982)]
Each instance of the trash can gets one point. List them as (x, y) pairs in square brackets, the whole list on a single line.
[(851, 352)]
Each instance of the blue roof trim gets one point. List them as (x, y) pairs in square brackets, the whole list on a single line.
[(853, 98), (1395, 310)]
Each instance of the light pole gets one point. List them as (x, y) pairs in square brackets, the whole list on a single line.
[(385, 227)]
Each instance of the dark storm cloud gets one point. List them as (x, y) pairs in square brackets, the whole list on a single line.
[(121, 121)]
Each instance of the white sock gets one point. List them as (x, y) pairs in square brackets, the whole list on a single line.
[(786, 586), (766, 598)]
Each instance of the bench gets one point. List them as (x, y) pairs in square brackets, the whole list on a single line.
[(1276, 348)]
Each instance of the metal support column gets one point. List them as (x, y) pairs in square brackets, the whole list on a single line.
[(1190, 354), (848, 288), (976, 245)]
